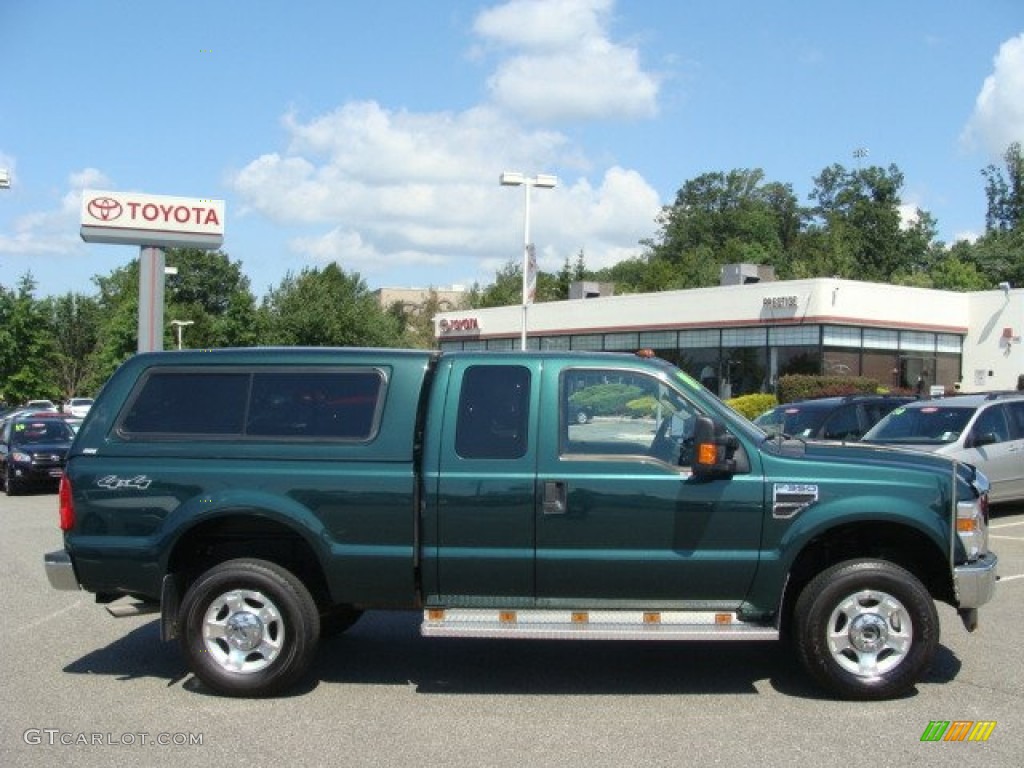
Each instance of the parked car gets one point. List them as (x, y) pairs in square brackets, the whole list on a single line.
[(33, 450), (40, 405), (830, 418), (985, 430), (78, 407)]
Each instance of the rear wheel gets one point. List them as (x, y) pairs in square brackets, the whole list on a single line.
[(866, 629), (249, 628)]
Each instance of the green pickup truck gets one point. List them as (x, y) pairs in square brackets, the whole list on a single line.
[(259, 498)]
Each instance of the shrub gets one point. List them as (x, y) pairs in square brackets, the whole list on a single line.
[(606, 399), (642, 406), (802, 387), (752, 406)]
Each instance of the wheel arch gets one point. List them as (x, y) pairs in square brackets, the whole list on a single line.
[(903, 545), (246, 533)]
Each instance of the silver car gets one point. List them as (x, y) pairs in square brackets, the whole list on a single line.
[(984, 430)]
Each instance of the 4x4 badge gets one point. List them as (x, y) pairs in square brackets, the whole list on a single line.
[(113, 481)]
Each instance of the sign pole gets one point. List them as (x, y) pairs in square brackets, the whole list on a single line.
[(151, 299)]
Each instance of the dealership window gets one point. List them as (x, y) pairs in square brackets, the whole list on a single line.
[(591, 342), (658, 340), (744, 361), (841, 336), (840, 362), (797, 360), (711, 339), (555, 343), (875, 338), (623, 342), (502, 345)]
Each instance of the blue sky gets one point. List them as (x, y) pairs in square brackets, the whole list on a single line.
[(373, 134)]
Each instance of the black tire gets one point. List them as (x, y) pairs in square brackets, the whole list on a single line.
[(338, 620), (248, 628), (12, 486), (865, 629)]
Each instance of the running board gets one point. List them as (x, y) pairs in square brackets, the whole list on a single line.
[(590, 625)]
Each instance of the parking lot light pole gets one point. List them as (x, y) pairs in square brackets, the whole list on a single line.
[(179, 325), (544, 181)]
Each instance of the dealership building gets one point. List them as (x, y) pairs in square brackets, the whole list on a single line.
[(740, 337)]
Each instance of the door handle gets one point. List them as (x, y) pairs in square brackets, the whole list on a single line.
[(555, 496)]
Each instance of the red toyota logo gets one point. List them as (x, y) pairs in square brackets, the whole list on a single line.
[(104, 208)]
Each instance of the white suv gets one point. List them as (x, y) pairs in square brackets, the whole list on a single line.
[(78, 407), (984, 430)]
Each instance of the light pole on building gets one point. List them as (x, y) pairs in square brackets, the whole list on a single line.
[(179, 326), (544, 181), (5, 178)]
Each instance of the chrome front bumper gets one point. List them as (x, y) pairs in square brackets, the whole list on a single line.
[(60, 571), (975, 585), (976, 581)]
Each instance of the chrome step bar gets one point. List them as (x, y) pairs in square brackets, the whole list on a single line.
[(591, 625)]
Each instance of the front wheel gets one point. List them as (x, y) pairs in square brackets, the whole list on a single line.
[(249, 628), (866, 629), (12, 486)]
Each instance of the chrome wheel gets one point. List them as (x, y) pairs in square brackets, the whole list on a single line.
[(243, 631), (866, 629), (870, 633)]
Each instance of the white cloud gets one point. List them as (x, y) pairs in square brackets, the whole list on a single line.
[(54, 231), (388, 190), (400, 189), (998, 118), (565, 66)]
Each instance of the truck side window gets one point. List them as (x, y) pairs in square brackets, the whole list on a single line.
[(494, 410), (332, 404), (620, 413), (188, 403)]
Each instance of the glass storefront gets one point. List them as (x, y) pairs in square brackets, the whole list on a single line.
[(740, 361)]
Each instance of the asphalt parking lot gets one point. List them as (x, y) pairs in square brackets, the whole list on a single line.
[(86, 689)]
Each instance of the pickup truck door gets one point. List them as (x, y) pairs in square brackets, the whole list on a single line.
[(480, 484), (620, 522)]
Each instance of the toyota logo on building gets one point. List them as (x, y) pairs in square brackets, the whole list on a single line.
[(105, 208)]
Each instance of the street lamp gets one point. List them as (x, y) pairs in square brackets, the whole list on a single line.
[(544, 181), (5, 178), (178, 326)]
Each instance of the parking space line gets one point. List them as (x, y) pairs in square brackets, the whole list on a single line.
[(1005, 525), (1008, 538), (1011, 578)]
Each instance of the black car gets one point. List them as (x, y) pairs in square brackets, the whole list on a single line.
[(33, 451), (830, 418)]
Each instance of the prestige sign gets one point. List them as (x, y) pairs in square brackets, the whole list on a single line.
[(151, 220)]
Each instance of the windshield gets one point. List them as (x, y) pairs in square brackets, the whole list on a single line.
[(793, 421), (930, 425), (35, 432)]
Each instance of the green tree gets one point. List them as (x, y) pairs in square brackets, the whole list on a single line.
[(73, 322), (571, 272), (27, 352), (209, 290), (717, 219), (507, 288), (1005, 192), (327, 307), (861, 211)]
